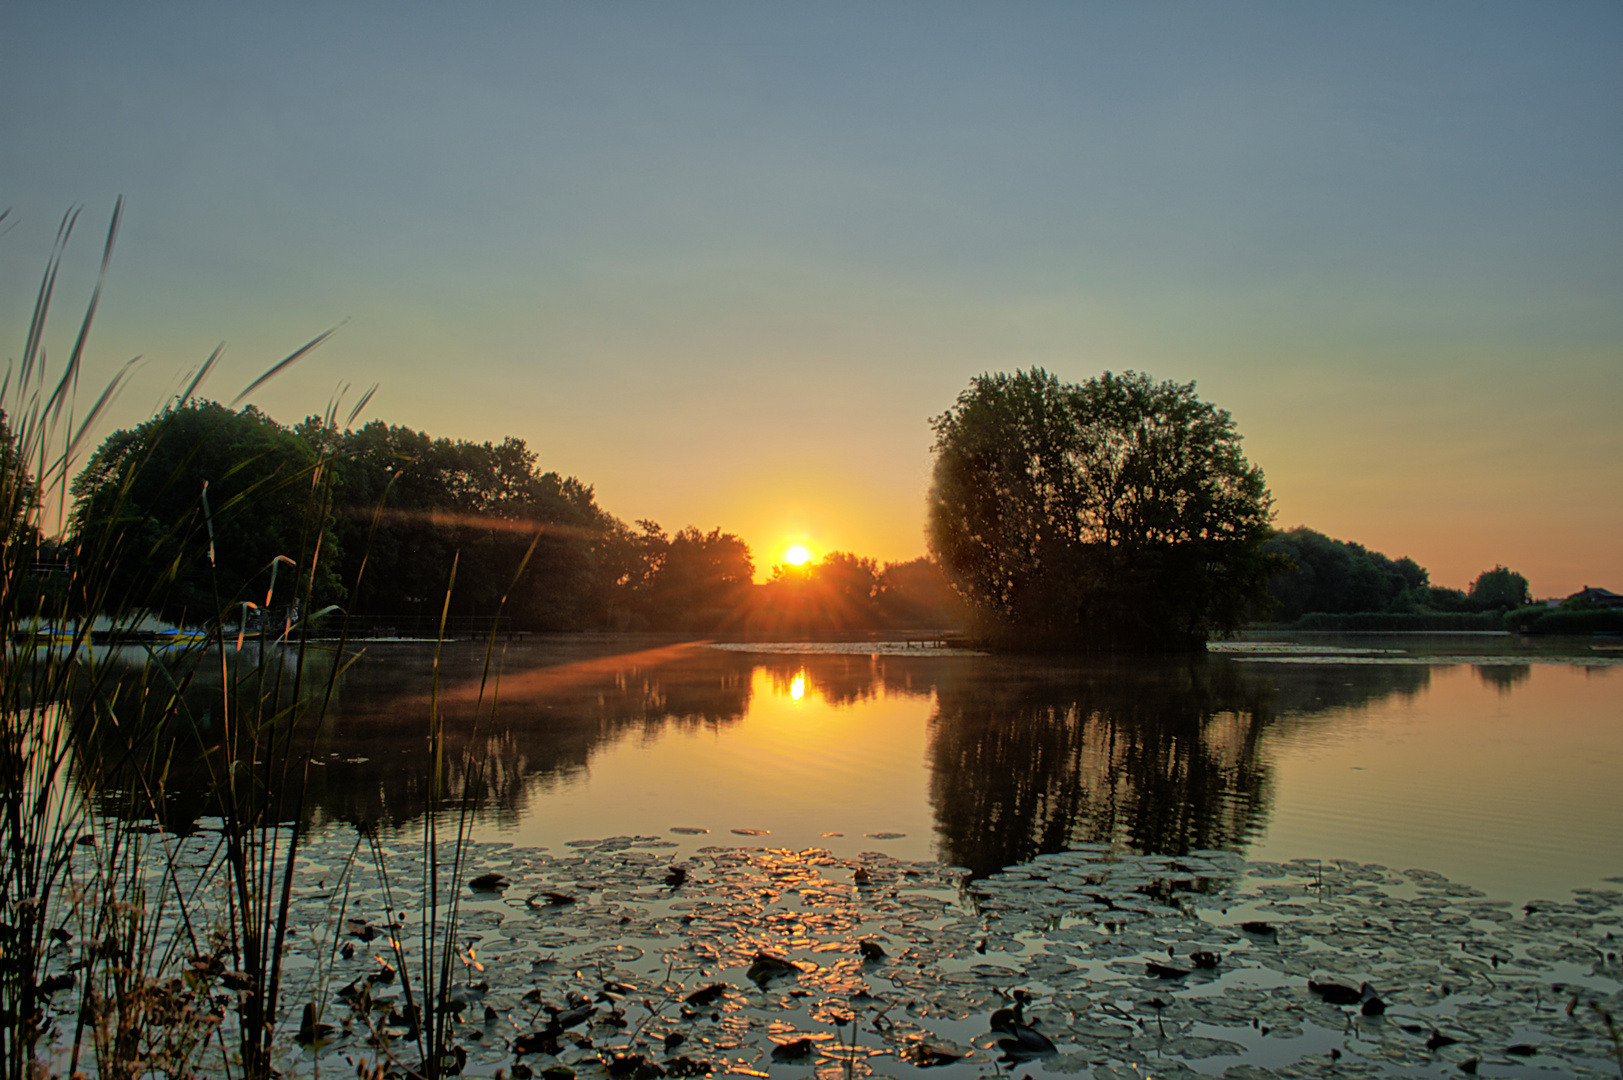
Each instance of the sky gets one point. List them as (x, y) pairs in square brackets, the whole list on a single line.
[(724, 261)]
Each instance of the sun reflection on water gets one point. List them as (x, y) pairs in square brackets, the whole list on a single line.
[(797, 686)]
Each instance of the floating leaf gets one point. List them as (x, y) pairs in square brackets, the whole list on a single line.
[(793, 1051)]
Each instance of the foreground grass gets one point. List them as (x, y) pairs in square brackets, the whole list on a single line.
[(164, 968)]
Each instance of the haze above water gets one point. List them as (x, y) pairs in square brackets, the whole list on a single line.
[(1470, 756)]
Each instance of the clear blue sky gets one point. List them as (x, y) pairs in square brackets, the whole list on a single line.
[(724, 260)]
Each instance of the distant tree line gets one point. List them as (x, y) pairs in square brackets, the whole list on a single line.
[(1342, 578), (202, 508), (847, 592), (1588, 611), (199, 509)]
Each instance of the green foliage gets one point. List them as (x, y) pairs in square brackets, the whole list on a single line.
[(690, 581), (19, 494), (406, 507), (407, 503), (848, 582), (1433, 599), (844, 593), (1500, 589), (21, 546), (1564, 620), (1117, 514), (201, 487), (1337, 576), (835, 594), (917, 594), (191, 509)]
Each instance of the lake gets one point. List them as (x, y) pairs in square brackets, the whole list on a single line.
[(730, 858), (1487, 759)]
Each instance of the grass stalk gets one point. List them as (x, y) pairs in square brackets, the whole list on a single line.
[(45, 665), (151, 938)]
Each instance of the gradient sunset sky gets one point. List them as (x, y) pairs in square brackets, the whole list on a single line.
[(723, 261)]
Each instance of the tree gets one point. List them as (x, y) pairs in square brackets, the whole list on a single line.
[(702, 581), (835, 594), (1118, 514), (847, 584), (19, 495), (406, 557), (1500, 588), (481, 505), (1339, 577), (916, 594), (191, 509), (21, 546)]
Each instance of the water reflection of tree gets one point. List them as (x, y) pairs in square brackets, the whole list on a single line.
[(557, 705), (1504, 677), (149, 729), (1153, 756), (1307, 689), (548, 720), (369, 754)]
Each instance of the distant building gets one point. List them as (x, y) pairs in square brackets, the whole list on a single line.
[(1590, 597)]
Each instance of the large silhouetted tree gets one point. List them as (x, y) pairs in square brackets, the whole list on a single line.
[(191, 508), (1115, 514)]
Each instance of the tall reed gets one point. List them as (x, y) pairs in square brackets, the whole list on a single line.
[(45, 662), (86, 904), (110, 948), (440, 906)]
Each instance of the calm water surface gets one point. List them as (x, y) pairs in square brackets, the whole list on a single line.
[(1492, 762), (1495, 765)]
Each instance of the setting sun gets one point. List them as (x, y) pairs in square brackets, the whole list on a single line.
[(797, 555)]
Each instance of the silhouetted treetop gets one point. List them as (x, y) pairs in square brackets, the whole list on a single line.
[(1500, 587), (199, 501), (1115, 514)]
